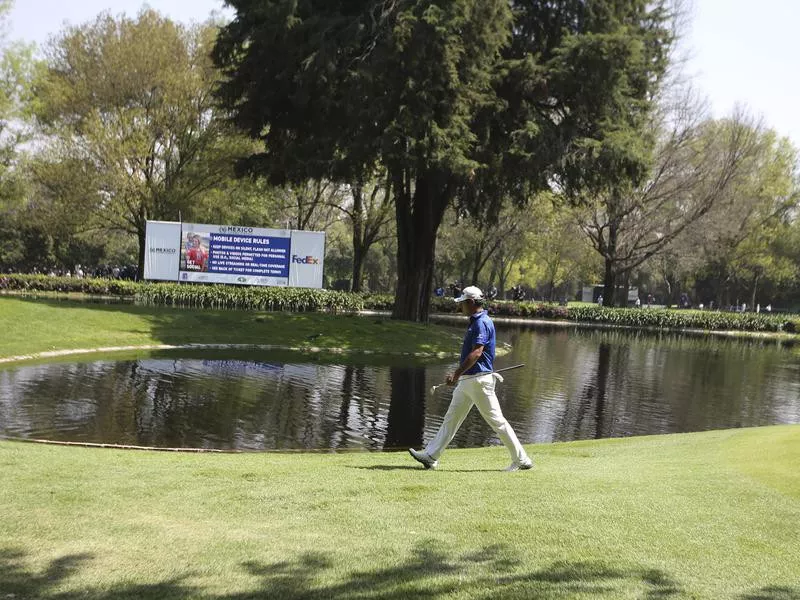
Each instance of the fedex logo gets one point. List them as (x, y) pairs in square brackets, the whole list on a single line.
[(305, 260)]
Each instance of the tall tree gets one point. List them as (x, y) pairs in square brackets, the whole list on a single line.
[(739, 239), (16, 67), (696, 165), (480, 98), (130, 103), (369, 215)]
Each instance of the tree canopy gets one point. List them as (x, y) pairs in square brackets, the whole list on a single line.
[(482, 100), (131, 126)]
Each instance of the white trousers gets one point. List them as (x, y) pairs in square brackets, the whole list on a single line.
[(480, 392)]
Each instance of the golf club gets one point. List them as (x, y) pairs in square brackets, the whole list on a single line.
[(434, 388)]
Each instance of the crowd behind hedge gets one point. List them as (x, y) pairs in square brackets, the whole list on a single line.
[(300, 299)]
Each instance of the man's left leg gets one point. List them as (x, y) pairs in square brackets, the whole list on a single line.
[(489, 406)]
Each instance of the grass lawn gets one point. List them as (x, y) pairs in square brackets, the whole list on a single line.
[(710, 515), (30, 326)]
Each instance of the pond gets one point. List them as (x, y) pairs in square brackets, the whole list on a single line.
[(577, 384)]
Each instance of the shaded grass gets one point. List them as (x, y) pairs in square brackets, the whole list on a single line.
[(710, 515), (38, 325)]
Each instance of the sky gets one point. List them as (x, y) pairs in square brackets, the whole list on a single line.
[(741, 52)]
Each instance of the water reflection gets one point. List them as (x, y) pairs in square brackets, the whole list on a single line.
[(577, 385), (406, 419)]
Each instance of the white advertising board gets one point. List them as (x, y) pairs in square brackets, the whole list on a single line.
[(244, 255), (162, 250), (307, 259)]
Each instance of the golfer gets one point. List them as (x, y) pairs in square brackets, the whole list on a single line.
[(477, 358)]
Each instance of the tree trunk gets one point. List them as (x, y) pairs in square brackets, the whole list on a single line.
[(142, 235), (476, 269), (405, 422), (358, 238), (418, 220), (609, 284), (755, 288), (603, 368), (358, 268), (623, 293), (610, 279), (492, 276)]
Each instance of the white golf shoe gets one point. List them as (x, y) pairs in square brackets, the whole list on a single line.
[(519, 466), (427, 461)]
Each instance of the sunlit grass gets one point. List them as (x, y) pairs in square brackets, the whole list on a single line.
[(711, 515), (30, 326)]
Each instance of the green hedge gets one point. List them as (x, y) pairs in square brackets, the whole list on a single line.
[(631, 317), (249, 298), (299, 299), (207, 296), (44, 283)]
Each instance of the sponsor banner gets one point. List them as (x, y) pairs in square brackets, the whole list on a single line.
[(233, 279), (235, 255), (162, 250), (251, 255), (307, 259)]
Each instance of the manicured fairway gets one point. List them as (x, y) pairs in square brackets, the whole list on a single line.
[(710, 515)]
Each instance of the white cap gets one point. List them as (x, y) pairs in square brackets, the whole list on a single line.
[(470, 293)]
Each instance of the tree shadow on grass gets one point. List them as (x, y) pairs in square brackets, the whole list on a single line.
[(428, 572), (19, 583), (773, 593), (422, 469)]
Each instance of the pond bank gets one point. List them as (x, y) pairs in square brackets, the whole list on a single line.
[(33, 327), (778, 336)]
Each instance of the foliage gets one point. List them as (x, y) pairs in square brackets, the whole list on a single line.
[(308, 300), (16, 68), (743, 240), (697, 162), (131, 128), (44, 283), (678, 319), (626, 317), (207, 296), (249, 298), (479, 99)]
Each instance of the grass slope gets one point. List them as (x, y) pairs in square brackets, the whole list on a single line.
[(710, 515), (38, 325)]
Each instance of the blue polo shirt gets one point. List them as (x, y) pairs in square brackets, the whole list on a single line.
[(480, 332)]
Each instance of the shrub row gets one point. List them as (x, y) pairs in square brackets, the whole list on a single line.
[(249, 298), (205, 296), (631, 317), (304, 300), (44, 283), (678, 319)]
